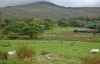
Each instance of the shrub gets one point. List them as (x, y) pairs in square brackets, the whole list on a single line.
[(25, 52), (13, 35), (44, 52), (3, 55), (90, 60)]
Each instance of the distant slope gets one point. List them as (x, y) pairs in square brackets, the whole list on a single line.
[(47, 10), (51, 4)]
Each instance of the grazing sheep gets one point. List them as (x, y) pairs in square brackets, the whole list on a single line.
[(94, 50), (79, 41), (11, 53)]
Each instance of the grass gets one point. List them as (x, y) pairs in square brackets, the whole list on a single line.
[(59, 41), (70, 48), (66, 33), (71, 52), (90, 60)]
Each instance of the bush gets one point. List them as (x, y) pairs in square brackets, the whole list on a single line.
[(3, 55), (44, 52), (25, 52), (90, 60), (13, 35)]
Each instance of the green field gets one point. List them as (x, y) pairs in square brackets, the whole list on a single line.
[(69, 48), (66, 34), (69, 52), (60, 41)]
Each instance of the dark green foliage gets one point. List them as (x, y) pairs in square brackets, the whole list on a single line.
[(18, 28), (15, 26), (89, 18), (74, 23), (62, 23), (9, 20), (2, 23), (48, 24), (28, 20), (25, 28), (13, 35), (32, 30)]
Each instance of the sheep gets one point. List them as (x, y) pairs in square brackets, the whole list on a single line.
[(79, 41), (94, 50), (11, 53)]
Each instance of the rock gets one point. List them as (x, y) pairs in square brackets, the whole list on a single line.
[(47, 59), (51, 57)]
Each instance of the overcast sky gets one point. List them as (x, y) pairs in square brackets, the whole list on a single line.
[(66, 3)]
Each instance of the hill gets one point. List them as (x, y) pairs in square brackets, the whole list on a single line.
[(45, 9)]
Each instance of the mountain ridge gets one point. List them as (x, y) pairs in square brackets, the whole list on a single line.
[(44, 9), (51, 4)]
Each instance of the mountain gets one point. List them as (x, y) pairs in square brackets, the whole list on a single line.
[(51, 4), (45, 9)]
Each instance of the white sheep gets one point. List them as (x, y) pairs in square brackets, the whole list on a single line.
[(94, 50), (11, 53)]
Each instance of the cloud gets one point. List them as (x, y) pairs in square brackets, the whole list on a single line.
[(66, 3), (78, 3)]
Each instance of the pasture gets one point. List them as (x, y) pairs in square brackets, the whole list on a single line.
[(68, 48), (66, 34), (60, 41)]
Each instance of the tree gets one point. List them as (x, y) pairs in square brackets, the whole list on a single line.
[(98, 26), (48, 23), (81, 18), (12, 35), (37, 21), (28, 20), (15, 26), (32, 30), (74, 23), (62, 23), (2, 23), (9, 20)]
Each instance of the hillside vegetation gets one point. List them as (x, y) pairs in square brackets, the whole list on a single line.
[(48, 10), (47, 29)]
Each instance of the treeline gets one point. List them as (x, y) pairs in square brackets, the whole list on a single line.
[(79, 22), (18, 27), (14, 28), (88, 19)]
